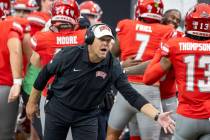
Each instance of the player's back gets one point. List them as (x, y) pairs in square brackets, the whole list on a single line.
[(139, 39), (136, 37), (191, 62), (48, 43)]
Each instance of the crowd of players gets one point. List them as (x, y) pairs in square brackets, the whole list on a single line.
[(168, 67)]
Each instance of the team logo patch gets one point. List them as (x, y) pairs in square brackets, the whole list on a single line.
[(104, 27), (101, 74)]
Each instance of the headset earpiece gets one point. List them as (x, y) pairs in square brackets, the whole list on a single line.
[(89, 37)]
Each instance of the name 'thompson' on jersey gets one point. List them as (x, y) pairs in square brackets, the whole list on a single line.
[(191, 63)]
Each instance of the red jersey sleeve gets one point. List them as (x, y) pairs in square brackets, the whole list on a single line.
[(33, 42), (13, 34), (16, 30), (37, 21), (154, 71)]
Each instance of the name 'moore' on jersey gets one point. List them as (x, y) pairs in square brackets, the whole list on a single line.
[(46, 44), (191, 63), (140, 39)]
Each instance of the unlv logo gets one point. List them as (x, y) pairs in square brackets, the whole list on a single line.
[(101, 74), (104, 27)]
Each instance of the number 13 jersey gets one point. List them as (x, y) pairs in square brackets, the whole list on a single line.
[(191, 63)]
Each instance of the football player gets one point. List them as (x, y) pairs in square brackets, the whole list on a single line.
[(189, 57), (137, 42)]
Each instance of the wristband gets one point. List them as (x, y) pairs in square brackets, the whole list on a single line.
[(17, 81), (156, 116)]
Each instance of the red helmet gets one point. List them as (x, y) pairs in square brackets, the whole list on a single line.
[(25, 5), (91, 8), (5, 6), (65, 11), (197, 20), (149, 9)]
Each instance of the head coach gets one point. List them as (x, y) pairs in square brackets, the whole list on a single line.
[(82, 76)]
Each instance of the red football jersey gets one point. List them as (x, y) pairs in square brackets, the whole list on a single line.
[(140, 39), (37, 20), (47, 44), (191, 62), (168, 86), (169, 79), (26, 29), (7, 26), (22, 21)]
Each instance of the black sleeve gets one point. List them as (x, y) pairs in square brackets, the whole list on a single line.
[(52, 68), (121, 83)]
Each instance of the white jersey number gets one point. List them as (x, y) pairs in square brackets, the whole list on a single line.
[(144, 39), (203, 63)]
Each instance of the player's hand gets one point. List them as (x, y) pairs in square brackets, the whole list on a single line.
[(166, 122), (130, 61), (14, 93), (32, 109)]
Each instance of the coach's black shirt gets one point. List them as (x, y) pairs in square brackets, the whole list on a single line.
[(81, 85)]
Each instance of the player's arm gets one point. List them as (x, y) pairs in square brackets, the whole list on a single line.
[(27, 50), (35, 59), (137, 69), (156, 70), (15, 51), (140, 68)]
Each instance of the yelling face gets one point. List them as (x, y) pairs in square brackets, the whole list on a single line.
[(99, 49)]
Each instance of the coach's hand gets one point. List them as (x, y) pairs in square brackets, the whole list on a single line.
[(32, 109), (166, 122)]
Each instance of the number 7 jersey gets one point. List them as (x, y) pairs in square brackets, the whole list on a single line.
[(191, 62), (140, 39)]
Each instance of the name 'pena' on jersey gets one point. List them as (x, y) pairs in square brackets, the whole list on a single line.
[(65, 40)]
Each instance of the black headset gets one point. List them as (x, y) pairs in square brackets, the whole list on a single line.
[(90, 36)]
